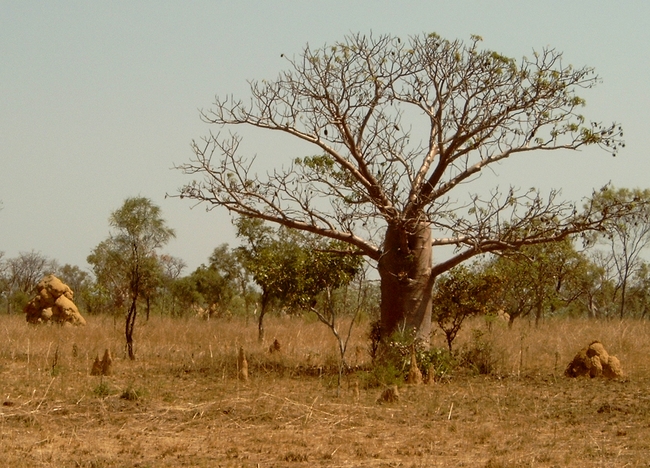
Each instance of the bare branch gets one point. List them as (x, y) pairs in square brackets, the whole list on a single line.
[(371, 181)]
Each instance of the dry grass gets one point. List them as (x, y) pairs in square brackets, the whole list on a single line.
[(181, 402)]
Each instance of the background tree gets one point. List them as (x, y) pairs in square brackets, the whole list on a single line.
[(601, 285), (22, 274), (214, 290), (112, 278), (27, 269), (461, 293), (268, 260), (236, 279), (375, 183), (151, 280), (640, 290), (138, 232), (290, 267), (626, 236), (185, 295), (172, 268), (540, 278)]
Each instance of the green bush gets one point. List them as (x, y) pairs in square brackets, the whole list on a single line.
[(392, 358), (381, 374), (102, 390), (441, 359), (479, 355), (133, 394)]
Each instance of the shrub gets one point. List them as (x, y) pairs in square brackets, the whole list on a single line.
[(374, 338), (132, 394), (442, 361), (102, 390), (392, 358), (479, 355), (382, 374)]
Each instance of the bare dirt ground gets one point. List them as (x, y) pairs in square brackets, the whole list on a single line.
[(180, 403)]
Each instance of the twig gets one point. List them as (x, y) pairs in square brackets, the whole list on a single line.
[(298, 404), (451, 408), (46, 390), (311, 411)]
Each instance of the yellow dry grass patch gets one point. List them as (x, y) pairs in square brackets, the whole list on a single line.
[(181, 402)]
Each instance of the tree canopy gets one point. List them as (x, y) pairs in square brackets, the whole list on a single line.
[(291, 267), (396, 129)]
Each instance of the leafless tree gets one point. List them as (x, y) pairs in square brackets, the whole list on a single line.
[(172, 267), (27, 269), (330, 313), (376, 184), (21, 274), (626, 236)]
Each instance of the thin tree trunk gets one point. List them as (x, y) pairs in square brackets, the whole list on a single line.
[(592, 308), (539, 311), (133, 310), (450, 341), (260, 327), (623, 290), (130, 324), (260, 323)]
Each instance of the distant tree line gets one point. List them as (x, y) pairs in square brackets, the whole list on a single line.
[(281, 270), (273, 270), (20, 275)]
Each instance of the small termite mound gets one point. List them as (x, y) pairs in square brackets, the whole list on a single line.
[(275, 347), (103, 366), (242, 365), (389, 395), (415, 375)]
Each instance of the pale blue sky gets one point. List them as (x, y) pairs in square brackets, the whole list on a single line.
[(98, 100)]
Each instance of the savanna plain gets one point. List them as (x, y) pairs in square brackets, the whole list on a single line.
[(181, 403)]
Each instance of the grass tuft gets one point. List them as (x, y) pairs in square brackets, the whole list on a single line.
[(102, 390)]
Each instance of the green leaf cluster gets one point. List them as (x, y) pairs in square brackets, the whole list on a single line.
[(291, 267)]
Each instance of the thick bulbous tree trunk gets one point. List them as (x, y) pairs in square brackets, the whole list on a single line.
[(406, 282)]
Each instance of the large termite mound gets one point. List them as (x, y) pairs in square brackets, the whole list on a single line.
[(594, 361), (53, 303)]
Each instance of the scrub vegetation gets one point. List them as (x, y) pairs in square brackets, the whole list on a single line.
[(181, 403)]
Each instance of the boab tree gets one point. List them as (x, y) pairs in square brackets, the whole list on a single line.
[(376, 184)]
